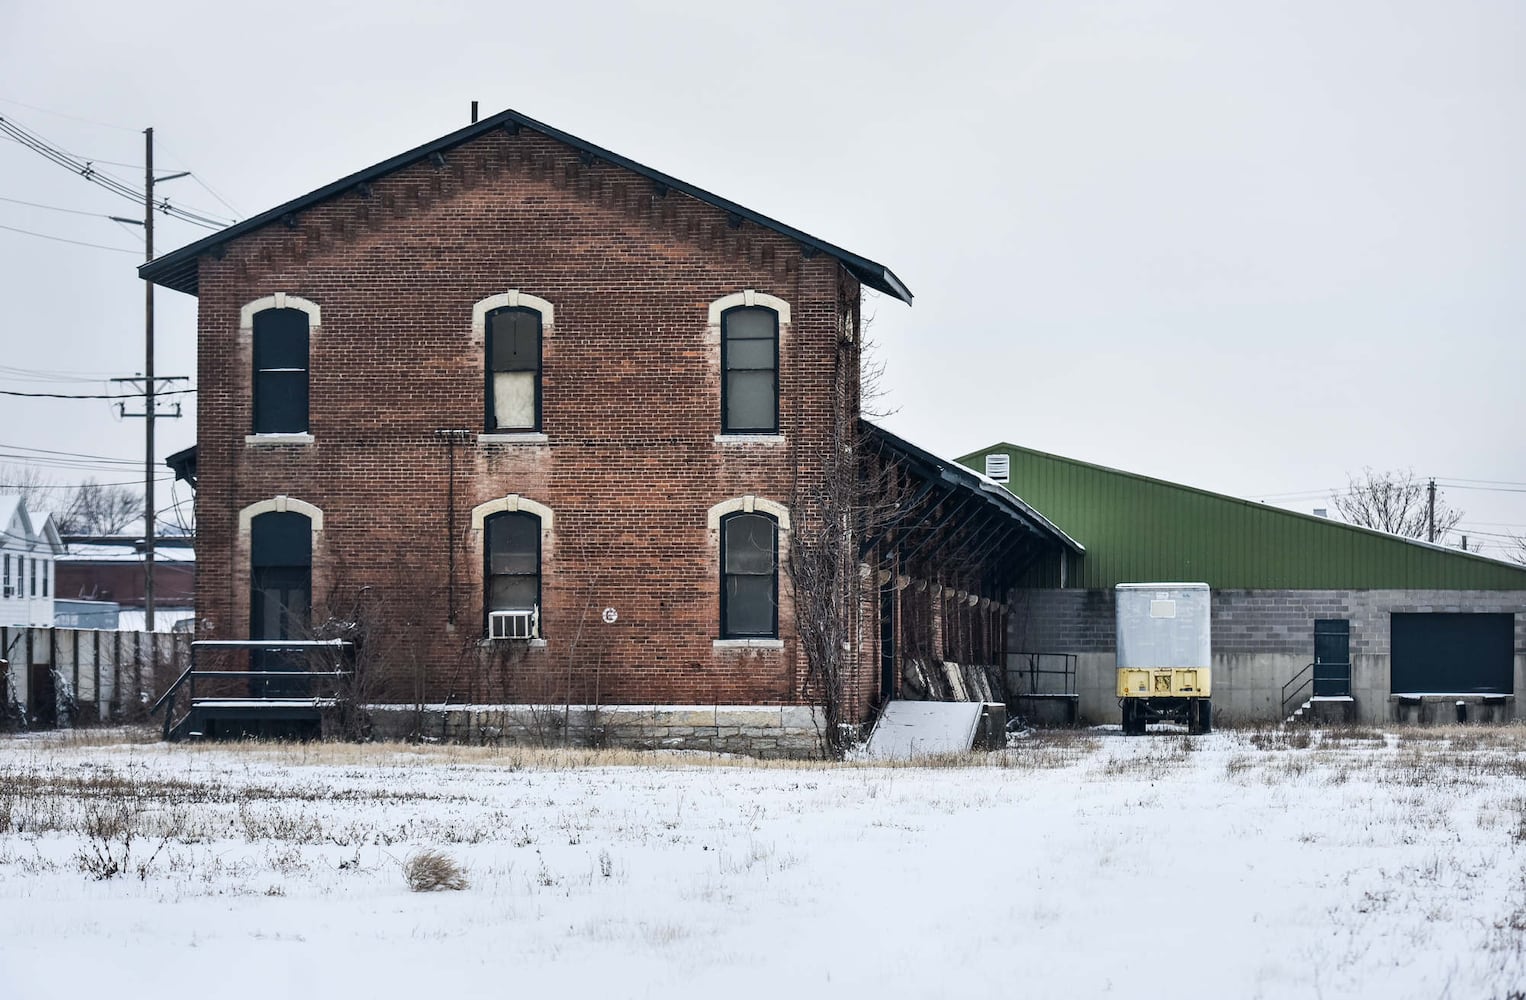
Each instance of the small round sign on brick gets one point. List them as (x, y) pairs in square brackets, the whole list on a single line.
[(611, 616)]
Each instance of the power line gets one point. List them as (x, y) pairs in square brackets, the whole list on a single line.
[(75, 486), (60, 239), (60, 114), (205, 186), (68, 395), (55, 208), (68, 454), (86, 169), (50, 375)]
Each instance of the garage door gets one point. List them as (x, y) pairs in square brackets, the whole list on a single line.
[(1453, 654)]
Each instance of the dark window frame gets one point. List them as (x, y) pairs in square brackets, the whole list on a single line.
[(726, 427), (263, 379), (725, 631), (487, 568), (489, 418)]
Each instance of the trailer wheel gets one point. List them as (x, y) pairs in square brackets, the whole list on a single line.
[(1128, 716), (1205, 716)]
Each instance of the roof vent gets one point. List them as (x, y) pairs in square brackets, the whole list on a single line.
[(999, 467), (1321, 512)]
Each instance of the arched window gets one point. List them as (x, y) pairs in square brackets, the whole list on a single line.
[(749, 576), (750, 370), (511, 571), (280, 371), (512, 352)]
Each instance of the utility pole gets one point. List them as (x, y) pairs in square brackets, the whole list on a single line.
[(1430, 511), (148, 381), (150, 385)]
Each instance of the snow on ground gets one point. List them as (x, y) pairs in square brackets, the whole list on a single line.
[(1251, 864)]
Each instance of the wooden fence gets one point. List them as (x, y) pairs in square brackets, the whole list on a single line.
[(65, 676)]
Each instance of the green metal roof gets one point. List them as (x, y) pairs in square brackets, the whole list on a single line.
[(1138, 529)]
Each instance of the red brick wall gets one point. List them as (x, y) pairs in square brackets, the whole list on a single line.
[(174, 582), (631, 411)]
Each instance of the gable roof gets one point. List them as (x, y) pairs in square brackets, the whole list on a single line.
[(178, 270), (37, 527), (1139, 528)]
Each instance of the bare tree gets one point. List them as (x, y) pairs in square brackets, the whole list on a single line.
[(87, 509), (95, 509), (1515, 549), (1396, 502), (34, 488), (834, 509)]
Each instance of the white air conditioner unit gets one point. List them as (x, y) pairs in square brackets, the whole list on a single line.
[(517, 624)]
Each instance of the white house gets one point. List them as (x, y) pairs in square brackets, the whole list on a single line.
[(29, 545)]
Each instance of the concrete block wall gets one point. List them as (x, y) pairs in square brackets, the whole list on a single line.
[(757, 730), (1261, 640)]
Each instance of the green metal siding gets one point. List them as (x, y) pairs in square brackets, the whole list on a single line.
[(1137, 529)]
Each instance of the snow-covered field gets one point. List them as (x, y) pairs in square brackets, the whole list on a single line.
[(1250, 864)]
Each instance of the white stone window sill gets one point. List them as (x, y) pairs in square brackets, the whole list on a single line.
[(526, 437), (748, 644), (749, 439), (298, 438), (533, 643)]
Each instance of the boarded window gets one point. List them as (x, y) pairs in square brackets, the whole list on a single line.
[(750, 365), (749, 576), (280, 371), (513, 370), (511, 551)]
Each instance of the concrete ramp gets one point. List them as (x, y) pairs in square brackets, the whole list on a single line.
[(908, 729)]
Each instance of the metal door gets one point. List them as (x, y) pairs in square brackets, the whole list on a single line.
[(1332, 657)]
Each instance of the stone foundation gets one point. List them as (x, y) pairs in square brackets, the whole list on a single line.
[(759, 731)]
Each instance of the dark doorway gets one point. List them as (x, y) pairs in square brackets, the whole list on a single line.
[(1332, 657), (1453, 654), (887, 641), (280, 598), (42, 695)]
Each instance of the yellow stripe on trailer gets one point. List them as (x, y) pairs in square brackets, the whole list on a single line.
[(1163, 682)]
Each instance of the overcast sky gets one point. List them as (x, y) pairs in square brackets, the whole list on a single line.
[(1245, 246)]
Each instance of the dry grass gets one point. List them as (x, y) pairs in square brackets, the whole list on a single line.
[(430, 870)]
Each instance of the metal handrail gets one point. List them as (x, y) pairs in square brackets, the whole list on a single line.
[(1312, 681), (169, 692), (1034, 671), (189, 675), (1302, 683)]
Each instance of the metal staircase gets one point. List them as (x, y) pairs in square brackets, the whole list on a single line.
[(1315, 683), (288, 688)]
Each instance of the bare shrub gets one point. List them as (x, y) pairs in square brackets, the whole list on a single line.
[(429, 870), (110, 830)]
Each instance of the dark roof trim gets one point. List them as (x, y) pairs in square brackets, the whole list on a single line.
[(178, 270), (183, 464), (965, 480)]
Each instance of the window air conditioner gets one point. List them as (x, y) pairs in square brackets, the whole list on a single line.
[(10, 591), (517, 624)]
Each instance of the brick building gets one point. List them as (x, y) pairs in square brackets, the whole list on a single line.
[(542, 417)]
